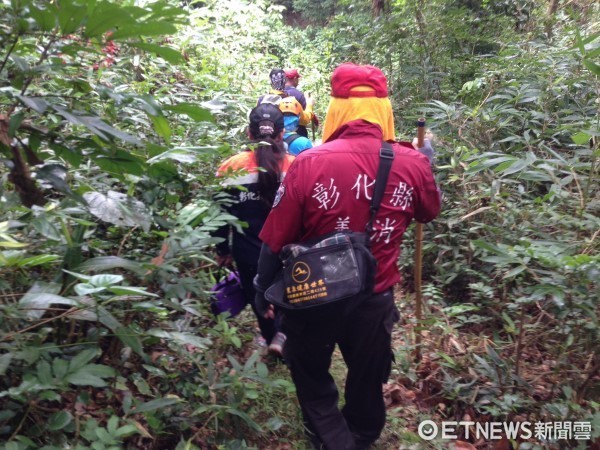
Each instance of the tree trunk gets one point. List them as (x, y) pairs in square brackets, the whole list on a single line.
[(550, 12), (378, 7)]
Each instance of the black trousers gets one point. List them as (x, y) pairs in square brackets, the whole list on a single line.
[(247, 273), (364, 339)]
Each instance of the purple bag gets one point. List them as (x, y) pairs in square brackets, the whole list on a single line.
[(228, 296)]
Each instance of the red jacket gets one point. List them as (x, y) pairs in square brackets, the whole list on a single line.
[(330, 187)]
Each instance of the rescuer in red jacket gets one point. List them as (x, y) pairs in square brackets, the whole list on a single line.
[(329, 188)]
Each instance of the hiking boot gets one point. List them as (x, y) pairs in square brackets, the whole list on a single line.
[(260, 343), (277, 343)]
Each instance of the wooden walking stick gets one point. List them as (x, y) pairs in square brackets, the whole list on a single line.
[(419, 257)]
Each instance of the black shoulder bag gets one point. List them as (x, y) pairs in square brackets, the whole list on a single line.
[(332, 267)]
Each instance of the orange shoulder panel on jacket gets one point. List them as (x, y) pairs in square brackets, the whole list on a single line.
[(243, 160), (247, 161)]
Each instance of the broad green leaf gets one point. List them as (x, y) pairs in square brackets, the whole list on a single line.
[(59, 420), (95, 125), (44, 17), (149, 105), (581, 138), (163, 171), (14, 123), (106, 279), (143, 29), (274, 423), (40, 260), (489, 247), (5, 360), (91, 375), (514, 272), (112, 424), (161, 126), (131, 339), (120, 165), (158, 403), (73, 157), (104, 263), (36, 303), (179, 155), (154, 149), (46, 228), (87, 289), (130, 290), (592, 66), (79, 276), (118, 209), (108, 320), (246, 418), (82, 358), (262, 370), (513, 167), (40, 296), (70, 15), (181, 338), (12, 244), (60, 368), (128, 430), (21, 64), (168, 54), (105, 438), (44, 372), (192, 111), (105, 17)]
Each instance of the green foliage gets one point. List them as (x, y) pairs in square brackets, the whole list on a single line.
[(110, 135)]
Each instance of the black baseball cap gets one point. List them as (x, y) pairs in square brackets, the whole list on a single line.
[(264, 113)]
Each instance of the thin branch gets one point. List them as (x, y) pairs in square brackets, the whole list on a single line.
[(125, 239), (12, 47), (43, 56), (590, 247), (42, 322), (21, 423)]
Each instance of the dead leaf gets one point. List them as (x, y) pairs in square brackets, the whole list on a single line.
[(396, 394), (142, 430)]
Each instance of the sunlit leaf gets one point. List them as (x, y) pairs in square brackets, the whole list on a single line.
[(104, 263), (168, 54), (194, 112), (155, 404), (118, 209)]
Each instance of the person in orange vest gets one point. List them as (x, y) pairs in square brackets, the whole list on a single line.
[(253, 204)]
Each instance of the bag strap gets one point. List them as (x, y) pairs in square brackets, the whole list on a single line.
[(291, 138), (386, 157)]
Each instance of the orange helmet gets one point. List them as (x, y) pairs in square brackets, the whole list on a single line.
[(290, 105)]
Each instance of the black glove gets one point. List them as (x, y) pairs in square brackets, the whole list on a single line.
[(261, 303), (269, 265)]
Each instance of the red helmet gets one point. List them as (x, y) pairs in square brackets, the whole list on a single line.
[(291, 73)]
